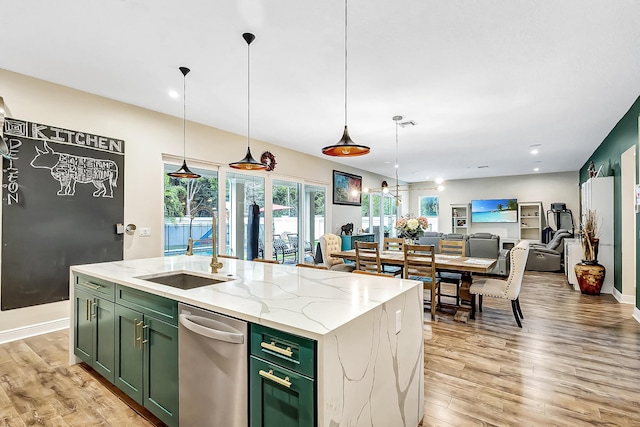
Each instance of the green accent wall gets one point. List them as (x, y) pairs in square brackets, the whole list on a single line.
[(623, 136)]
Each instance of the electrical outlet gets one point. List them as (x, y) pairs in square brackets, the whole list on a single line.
[(145, 232), (398, 321)]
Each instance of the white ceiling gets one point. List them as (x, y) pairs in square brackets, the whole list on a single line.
[(483, 79)]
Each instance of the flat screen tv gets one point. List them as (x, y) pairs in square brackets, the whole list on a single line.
[(494, 210)]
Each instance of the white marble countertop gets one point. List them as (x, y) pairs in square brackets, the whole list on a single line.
[(308, 302)]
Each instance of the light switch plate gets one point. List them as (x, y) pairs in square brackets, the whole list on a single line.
[(145, 231)]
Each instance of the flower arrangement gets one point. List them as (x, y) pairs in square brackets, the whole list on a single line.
[(410, 227)]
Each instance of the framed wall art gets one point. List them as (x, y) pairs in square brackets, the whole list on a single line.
[(347, 189)]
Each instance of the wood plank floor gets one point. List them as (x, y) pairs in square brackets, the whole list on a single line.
[(575, 362)]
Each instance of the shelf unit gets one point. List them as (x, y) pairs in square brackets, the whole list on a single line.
[(460, 217), (530, 220)]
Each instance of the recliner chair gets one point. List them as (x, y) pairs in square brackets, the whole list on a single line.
[(548, 257), (487, 245)]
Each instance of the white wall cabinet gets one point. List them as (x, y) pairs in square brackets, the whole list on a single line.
[(597, 195), (460, 219), (530, 221)]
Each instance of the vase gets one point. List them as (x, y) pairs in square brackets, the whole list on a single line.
[(590, 276)]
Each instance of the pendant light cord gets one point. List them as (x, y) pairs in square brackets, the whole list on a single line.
[(184, 117), (397, 163), (345, 63), (248, 95)]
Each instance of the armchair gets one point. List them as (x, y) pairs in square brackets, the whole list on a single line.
[(548, 257)]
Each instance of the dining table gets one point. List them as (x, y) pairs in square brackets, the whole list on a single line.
[(444, 262)]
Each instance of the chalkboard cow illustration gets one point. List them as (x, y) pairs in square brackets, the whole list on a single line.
[(68, 169)]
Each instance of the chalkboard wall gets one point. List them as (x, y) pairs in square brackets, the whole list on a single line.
[(62, 195)]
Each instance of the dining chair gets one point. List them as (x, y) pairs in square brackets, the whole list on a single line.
[(392, 244), (228, 256), (450, 247), (368, 257), (506, 289), (371, 273), (318, 267), (266, 261), (330, 243), (420, 264)]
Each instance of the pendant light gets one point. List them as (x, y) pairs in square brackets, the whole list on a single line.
[(345, 147), (248, 163), (184, 171)]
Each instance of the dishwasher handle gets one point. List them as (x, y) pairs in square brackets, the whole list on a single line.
[(211, 329)]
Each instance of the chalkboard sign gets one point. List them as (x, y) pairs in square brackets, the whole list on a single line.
[(62, 195)]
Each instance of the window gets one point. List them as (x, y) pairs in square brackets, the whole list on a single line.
[(188, 206), (430, 207)]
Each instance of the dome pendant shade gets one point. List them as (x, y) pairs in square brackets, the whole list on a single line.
[(346, 147), (248, 163), (184, 172)]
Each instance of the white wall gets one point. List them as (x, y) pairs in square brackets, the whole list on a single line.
[(148, 135), (545, 188)]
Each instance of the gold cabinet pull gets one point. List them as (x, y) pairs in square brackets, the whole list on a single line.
[(90, 285), (86, 306), (269, 375), (143, 327), (135, 332), (94, 309), (273, 347), (139, 325)]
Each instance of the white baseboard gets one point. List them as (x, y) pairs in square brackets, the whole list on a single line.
[(32, 330), (636, 314), (624, 299)]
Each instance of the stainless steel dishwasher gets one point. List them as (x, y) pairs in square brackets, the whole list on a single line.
[(212, 369)]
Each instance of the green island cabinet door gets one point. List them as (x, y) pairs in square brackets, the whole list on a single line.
[(104, 338), (83, 333), (128, 373), (279, 397), (161, 370), (94, 332)]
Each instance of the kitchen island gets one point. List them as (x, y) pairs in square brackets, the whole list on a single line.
[(368, 331)]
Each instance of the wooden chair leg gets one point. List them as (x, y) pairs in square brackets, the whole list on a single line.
[(518, 307), (515, 313), (473, 307), (480, 303), (433, 300)]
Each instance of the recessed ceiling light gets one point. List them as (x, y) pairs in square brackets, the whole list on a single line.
[(534, 151), (439, 180), (173, 94), (426, 177), (536, 169)]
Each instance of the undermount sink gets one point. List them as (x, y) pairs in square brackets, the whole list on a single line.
[(182, 280)]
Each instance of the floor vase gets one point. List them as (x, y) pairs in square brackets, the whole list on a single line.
[(590, 277)]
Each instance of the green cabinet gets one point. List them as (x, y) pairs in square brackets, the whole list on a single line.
[(146, 348), (282, 370), (94, 321), (349, 241)]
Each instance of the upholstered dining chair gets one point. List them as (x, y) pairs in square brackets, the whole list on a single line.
[(330, 243), (420, 264), (450, 247), (368, 257), (507, 289), (392, 244)]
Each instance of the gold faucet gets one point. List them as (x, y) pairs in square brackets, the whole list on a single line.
[(215, 264)]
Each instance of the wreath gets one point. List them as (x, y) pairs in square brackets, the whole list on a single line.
[(268, 159)]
